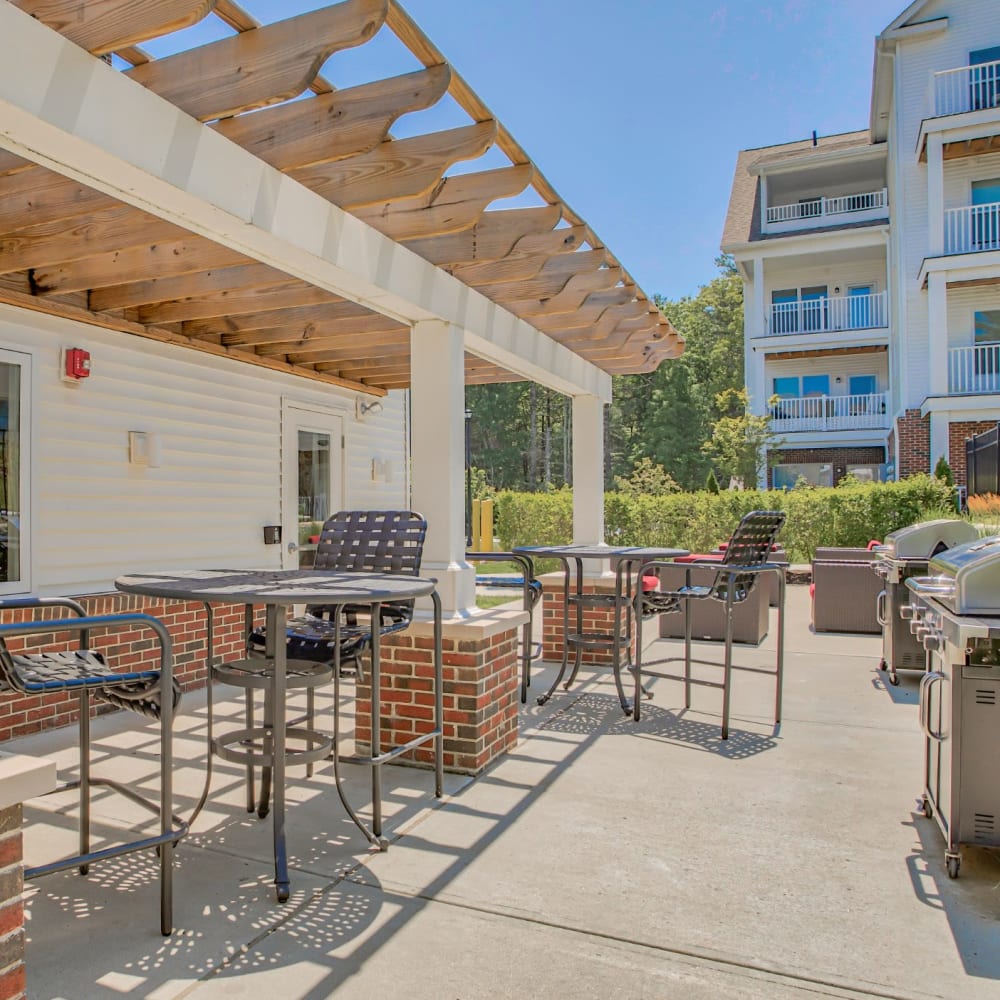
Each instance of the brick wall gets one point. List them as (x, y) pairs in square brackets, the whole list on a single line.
[(481, 688), (913, 442), (11, 907), (839, 458), (957, 433), (597, 619), (131, 647)]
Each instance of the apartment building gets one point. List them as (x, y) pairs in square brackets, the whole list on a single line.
[(871, 262)]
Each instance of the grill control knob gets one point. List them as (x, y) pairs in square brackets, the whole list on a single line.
[(922, 632), (906, 612), (932, 643)]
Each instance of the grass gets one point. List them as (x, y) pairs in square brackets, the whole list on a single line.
[(492, 568), (493, 600)]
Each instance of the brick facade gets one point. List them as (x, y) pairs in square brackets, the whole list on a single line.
[(599, 619), (481, 690), (12, 985), (131, 646), (913, 443), (839, 458), (957, 433)]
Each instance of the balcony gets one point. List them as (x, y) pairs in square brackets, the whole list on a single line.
[(811, 213), (829, 315), (968, 88), (972, 229), (829, 413), (974, 370)]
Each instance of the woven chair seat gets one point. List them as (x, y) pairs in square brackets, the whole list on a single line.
[(310, 637), (43, 673)]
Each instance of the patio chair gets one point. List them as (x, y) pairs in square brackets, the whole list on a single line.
[(531, 594), (736, 576), (85, 673), (370, 541)]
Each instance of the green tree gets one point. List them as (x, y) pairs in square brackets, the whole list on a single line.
[(647, 479), (740, 440), (943, 471), (712, 483)]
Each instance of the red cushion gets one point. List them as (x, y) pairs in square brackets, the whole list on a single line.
[(650, 583), (812, 589), (701, 557), (314, 539), (873, 543)]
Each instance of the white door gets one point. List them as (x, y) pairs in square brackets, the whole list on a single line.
[(312, 478), (15, 473)]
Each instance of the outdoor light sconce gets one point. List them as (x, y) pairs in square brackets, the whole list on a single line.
[(144, 449), (375, 406)]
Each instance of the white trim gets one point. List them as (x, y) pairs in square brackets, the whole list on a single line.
[(27, 500)]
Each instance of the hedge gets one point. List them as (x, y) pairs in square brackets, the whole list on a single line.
[(847, 515)]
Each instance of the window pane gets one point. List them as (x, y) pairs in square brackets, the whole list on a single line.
[(862, 385), (786, 388), (10, 472), (988, 327), (815, 385), (314, 480), (986, 192)]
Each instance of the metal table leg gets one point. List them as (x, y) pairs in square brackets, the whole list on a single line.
[(277, 616)]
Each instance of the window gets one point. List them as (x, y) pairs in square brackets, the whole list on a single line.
[(785, 311), (986, 214), (862, 385), (814, 309), (815, 385), (786, 388), (13, 472), (785, 477), (987, 339), (859, 307), (984, 78)]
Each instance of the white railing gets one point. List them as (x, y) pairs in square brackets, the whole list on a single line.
[(824, 208), (829, 413), (972, 229), (968, 88), (974, 369), (846, 312)]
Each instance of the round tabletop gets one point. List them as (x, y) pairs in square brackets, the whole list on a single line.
[(282, 586), (630, 552)]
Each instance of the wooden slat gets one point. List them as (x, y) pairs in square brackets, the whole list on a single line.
[(108, 322), (394, 170), (344, 123), (554, 277), (101, 26), (60, 242), (35, 196), (304, 335), (574, 293), (328, 311), (349, 352), (520, 267), (10, 163), (591, 312), (164, 259), (216, 282), (274, 298), (492, 238), (264, 66), (457, 204), (332, 352)]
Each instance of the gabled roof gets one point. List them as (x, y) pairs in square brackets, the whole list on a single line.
[(743, 217)]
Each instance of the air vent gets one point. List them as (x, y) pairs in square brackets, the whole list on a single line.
[(986, 696), (984, 826)]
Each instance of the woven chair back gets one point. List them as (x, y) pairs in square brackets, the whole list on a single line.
[(750, 546), (372, 541)]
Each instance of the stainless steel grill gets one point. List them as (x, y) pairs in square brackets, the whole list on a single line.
[(955, 614), (907, 553)]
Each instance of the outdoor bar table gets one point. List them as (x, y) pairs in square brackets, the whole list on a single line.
[(624, 558), (278, 590)]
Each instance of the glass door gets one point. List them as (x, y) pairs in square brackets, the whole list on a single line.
[(860, 307), (14, 477), (984, 78), (312, 480)]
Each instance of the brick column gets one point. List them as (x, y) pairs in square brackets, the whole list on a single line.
[(913, 444), (481, 690), (595, 619)]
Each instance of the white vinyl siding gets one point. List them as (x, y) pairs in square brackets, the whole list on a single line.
[(843, 365), (95, 516)]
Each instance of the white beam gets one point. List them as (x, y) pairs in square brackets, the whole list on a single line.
[(588, 470), (937, 333), (935, 196), (69, 111)]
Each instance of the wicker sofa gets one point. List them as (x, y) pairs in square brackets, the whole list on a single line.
[(845, 591)]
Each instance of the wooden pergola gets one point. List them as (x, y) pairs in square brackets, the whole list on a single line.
[(70, 249)]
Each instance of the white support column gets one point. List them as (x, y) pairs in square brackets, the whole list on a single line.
[(937, 333), (437, 394), (939, 438), (755, 325), (588, 470), (935, 196)]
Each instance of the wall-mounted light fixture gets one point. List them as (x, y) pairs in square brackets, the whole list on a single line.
[(375, 406)]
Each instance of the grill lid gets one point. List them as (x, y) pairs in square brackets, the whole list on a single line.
[(967, 577), (921, 541)]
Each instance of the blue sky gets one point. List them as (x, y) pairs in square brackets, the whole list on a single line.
[(635, 109)]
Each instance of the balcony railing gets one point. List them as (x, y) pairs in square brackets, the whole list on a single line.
[(974, 369), (820, 210), (829, 413), (968, 88), (972, 229), (846, 312)]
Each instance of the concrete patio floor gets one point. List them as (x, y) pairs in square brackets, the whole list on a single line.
[(600, 859)]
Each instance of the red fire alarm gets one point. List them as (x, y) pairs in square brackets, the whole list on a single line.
[(77, 363)]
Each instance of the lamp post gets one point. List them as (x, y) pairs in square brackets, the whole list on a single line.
[(468, 477)]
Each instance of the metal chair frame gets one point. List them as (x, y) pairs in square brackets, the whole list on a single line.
[(744, 562), (531, 594), (318, 643), (85, 672)]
